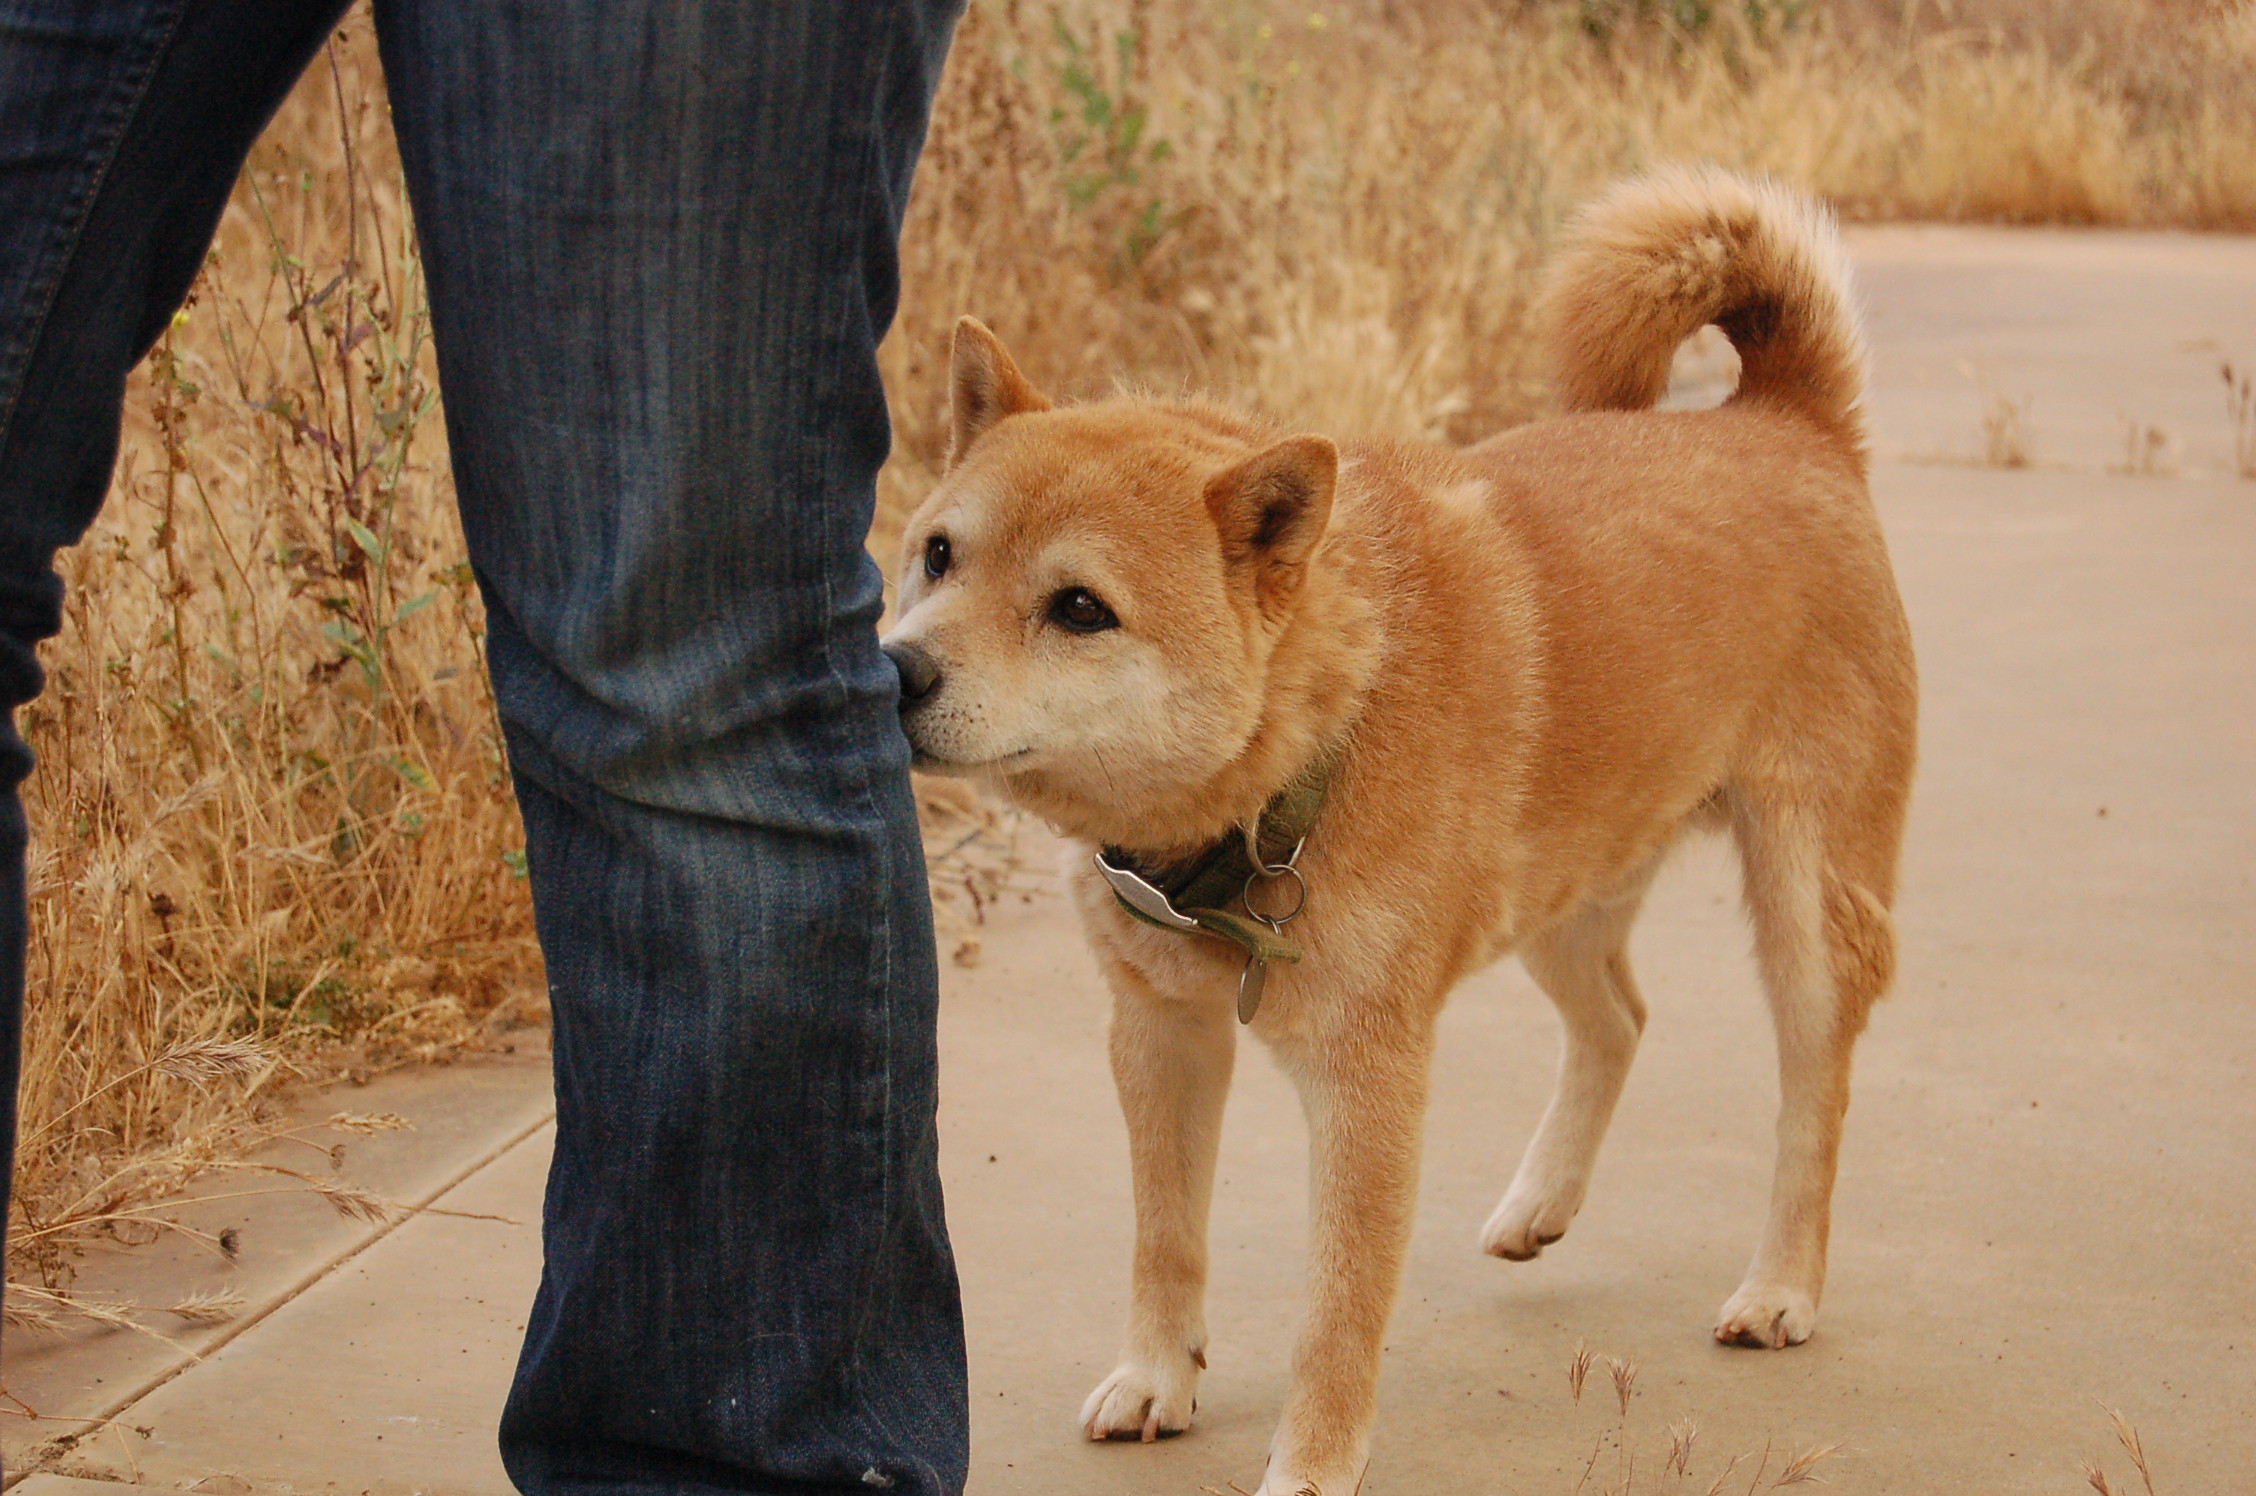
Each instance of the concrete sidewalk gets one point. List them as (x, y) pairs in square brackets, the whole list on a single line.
[(2048, 1197)]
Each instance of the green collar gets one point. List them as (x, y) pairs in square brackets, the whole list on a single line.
[(1200, 888)]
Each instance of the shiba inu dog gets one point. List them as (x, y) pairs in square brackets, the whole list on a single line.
[(1343, 723)]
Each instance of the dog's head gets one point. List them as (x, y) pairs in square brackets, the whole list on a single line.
[(1090, 597)]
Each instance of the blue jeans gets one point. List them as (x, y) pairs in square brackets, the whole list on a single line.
[(661, 239)]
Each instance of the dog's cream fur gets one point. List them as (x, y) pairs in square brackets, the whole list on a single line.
[(1547, 657)]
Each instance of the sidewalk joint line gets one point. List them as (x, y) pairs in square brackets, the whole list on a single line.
[(227, 1334)]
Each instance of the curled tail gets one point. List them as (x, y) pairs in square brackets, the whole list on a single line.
[(1658, 257)]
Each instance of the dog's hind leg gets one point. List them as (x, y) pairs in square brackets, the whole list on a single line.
[(1171, 1061), (1582, 963), (1826, 948)]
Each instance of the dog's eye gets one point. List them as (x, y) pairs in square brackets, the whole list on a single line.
[(1079, 609), (936, 557)]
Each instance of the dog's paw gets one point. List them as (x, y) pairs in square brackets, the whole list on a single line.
[(1768, 1316), (1527, 1222), (1144, 1400)]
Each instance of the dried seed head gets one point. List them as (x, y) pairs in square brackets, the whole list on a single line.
[(2127, 1436), (23, 1314), (201, 1062), (1624, 1374), (354, 1204), (1577, 1369), (368, 1124), (213, 1308), (44, 1309), (1799, 1470)]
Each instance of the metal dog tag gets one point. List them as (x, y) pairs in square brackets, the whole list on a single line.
[(1250, 983), (1142, 897)]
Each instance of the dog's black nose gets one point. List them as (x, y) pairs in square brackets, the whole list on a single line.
[(920, 673)]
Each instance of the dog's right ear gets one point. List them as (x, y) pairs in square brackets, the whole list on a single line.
[(984, 387)]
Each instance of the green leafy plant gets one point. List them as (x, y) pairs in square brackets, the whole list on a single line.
[(1606, 19), (1101, 134)]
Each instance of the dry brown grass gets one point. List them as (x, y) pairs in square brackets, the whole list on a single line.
[(273, 837), (272, 809), (2095, 1474), (1338, 210), (1769, 1470)]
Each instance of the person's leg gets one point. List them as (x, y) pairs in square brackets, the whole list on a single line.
[(661, 244), (122, 127)]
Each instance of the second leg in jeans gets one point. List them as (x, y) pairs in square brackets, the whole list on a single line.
[(661, 247)]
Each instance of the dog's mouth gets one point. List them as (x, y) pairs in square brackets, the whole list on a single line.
[(933, 763)]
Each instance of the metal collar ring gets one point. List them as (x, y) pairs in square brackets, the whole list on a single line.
[(1271, 874)]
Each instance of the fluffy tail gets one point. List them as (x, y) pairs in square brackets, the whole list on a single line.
[(1656, 258)]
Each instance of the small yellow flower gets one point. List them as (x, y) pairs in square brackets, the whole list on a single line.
[(180, 318), (1316, 21), (1265, 31)]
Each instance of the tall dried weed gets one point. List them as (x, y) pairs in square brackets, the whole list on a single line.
[(2240, 411), (272, 829)]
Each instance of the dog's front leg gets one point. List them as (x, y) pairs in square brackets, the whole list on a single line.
[(1171, 1061), (1365, 1095)]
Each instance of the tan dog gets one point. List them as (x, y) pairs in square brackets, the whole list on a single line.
[(1536, 664)]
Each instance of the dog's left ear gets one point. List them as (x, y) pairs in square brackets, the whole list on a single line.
[(1272, 509)]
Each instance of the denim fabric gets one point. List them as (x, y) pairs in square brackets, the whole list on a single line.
[(660, 237)]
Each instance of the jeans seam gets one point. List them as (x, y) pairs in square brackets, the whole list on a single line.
[(848, 213), (132, 91)]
